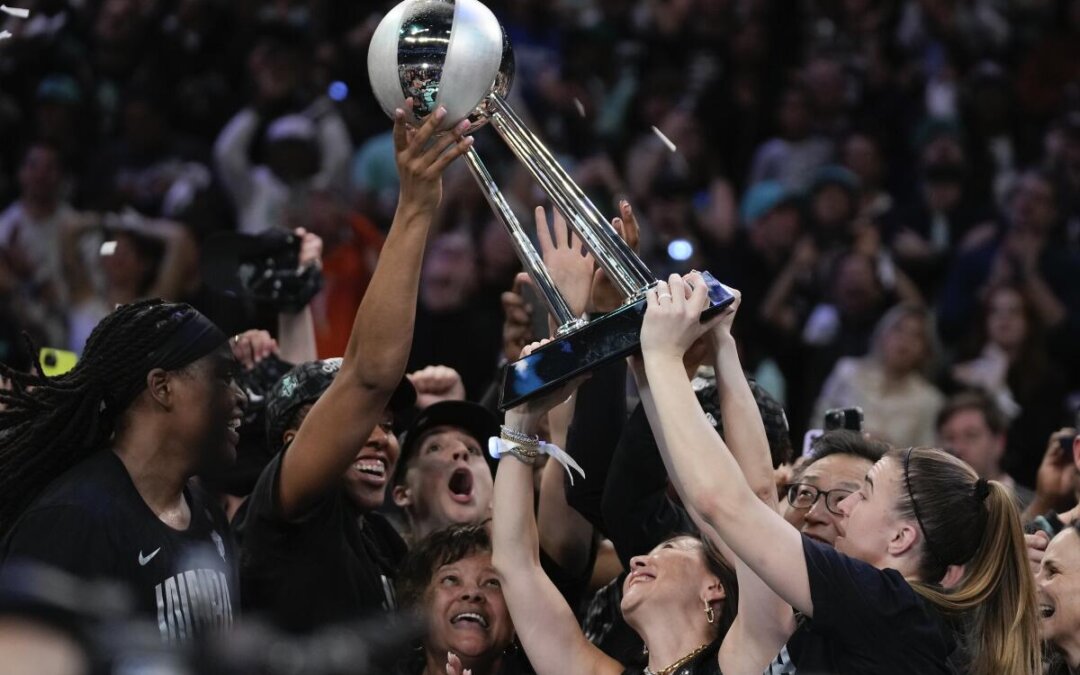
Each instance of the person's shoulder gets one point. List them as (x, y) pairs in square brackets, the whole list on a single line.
[(95, 484), (380, 527)]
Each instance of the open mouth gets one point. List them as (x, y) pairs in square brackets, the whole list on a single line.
[(372, 468), (461, 486), (1046, 611), (470, 617), (639, 577)]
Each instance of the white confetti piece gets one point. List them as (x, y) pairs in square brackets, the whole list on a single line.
[(108, 248), (4, 34), (15, 11), (664, 139), (580, 106)]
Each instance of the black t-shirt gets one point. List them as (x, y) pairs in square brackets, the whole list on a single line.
[(331, 564), (93, 523), (867, 620)]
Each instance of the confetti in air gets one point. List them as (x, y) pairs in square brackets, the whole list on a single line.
[(107, 248), (664, 139), (580, 106), (15, 11), (4, 34)]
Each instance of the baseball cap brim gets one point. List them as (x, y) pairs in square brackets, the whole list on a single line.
[(473, 418)]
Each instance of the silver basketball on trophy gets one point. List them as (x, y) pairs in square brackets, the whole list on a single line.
[(452, 53)]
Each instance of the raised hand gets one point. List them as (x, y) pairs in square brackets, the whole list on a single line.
[(517, 322), (1055, 482), (253, 346), (605, 295), (673, 317), (437, 383), (570, 266), (421, 158), (311, 249)]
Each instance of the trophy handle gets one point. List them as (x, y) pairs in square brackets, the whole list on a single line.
[(526, 252), (620, 262)]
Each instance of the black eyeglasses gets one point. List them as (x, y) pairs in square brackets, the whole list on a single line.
[(804, 496)]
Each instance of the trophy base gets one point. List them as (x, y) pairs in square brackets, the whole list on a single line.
[(600, 341)]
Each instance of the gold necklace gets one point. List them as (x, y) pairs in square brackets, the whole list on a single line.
[(678, 664)]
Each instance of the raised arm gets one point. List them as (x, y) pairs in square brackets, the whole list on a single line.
[(546, 626), (706, 475), (378, 349)]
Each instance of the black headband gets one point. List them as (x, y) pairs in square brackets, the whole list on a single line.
[(194, 337), (930, 548)]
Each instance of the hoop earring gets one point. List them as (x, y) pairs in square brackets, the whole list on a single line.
[(710, 615)]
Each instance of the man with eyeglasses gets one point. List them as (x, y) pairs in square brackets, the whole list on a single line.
[(838, 463)]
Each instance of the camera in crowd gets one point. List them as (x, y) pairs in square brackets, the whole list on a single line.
[(263, 268), (850, 419)]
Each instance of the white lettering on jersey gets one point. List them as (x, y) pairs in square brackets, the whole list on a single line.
[(191, 603)]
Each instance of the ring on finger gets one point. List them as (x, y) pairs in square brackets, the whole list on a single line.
[(664, 295)]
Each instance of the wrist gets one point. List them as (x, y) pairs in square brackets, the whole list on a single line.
[(522, 422)]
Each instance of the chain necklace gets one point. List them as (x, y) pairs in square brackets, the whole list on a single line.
[(678, 664)]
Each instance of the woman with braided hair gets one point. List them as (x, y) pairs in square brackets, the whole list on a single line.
[(95, 464)]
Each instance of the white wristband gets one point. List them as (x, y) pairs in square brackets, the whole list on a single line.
[(497, 447)]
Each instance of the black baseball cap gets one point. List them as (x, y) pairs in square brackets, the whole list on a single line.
[(473, 418), (305, 384)]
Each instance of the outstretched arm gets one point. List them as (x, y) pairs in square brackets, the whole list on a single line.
[(705, 473), (544, 622), (378, 349)]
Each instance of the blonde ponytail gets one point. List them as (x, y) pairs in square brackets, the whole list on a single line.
[(971, 522)]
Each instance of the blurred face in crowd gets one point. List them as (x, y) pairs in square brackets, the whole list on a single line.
[(1032, 209), (369, 474), (466, 612), (778, 229), (833, 206), (794, 115), (1006, 321), (1058, 589), (863, 157), (447, 482), (856, 289), (871, 523), (450, 275), (144, 126), (967, 435), (841, 472), (126, 269), (40, 174), (903, 345), (673, 577)]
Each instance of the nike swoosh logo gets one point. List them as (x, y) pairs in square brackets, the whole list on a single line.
[(145, 559)]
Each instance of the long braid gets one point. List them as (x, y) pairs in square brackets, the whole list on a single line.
[(48, 424)]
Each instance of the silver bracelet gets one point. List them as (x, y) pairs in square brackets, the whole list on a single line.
[(513, 436), (526, 455)]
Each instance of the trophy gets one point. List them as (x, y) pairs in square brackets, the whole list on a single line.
[(455, 53)]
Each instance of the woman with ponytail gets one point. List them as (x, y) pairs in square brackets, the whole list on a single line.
[(95, 464), (929, 573)]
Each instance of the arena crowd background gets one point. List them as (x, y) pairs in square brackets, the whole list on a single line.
[(835, 159)]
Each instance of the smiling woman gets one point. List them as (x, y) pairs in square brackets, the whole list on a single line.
[(1058, 582), (449, 581)]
